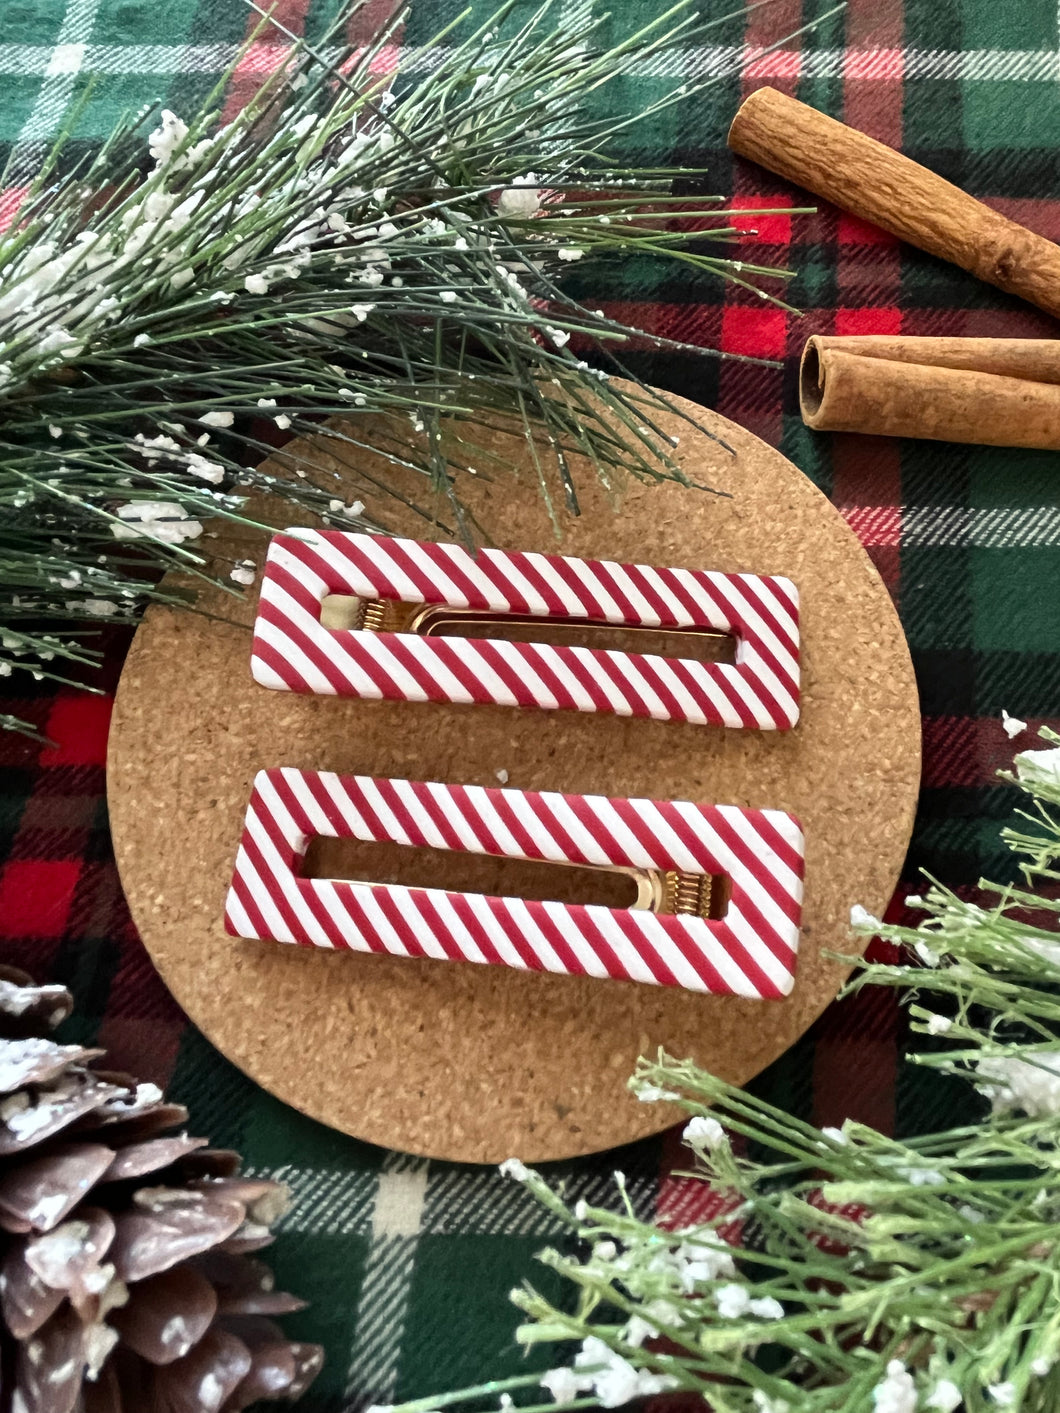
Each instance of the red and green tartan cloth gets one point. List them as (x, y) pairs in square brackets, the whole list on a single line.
[(408, 1264)]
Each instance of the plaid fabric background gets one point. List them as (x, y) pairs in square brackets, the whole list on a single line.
[(408, 1264)]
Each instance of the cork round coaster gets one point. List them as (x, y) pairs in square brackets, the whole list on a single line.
[(475, 1063)]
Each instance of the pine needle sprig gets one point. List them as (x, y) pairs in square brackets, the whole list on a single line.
[(391, 249), (845, 1270)]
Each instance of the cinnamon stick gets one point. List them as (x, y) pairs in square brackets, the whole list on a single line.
[(875, 385), (873, 181), (1037, 360)]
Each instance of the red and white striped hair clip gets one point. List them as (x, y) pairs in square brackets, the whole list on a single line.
[(718, 889), (368, 616)]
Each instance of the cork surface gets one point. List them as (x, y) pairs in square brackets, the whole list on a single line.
[(475, 1063)]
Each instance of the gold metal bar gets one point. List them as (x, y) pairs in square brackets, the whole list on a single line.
[(346, 611), (685, 894), (433, 619)]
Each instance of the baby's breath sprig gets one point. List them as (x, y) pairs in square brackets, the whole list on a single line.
[(989, 979), (847, 1271), (387, 247)]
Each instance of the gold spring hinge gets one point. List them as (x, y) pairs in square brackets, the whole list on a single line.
[(344, 611), (686, 894), (373, 614)]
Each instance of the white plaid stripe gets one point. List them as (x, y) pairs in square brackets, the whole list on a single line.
[(476, 1201), (956, 526), (997, 527), (484, 1203), (382, 1308), (381, 1314), (63, 63), (339, 1203), (577, 12), (888, 65), (694, 62)]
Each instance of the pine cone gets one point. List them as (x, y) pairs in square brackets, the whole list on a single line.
[(126, 1283)]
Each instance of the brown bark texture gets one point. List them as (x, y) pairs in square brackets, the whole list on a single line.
[(983, 391), (874, 181)]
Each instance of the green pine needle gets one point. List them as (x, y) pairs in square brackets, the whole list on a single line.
[(346, 246)]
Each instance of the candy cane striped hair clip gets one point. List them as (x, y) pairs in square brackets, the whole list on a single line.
[(370, 616), (718, 889)]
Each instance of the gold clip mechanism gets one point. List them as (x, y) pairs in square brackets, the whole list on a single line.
[(346, 611)]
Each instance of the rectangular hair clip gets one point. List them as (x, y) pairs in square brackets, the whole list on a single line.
[(718, 889), (370, 616)]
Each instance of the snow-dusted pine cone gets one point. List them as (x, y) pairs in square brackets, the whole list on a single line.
[(125, 1280)]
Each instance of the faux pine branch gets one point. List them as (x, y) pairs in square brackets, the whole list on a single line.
[(848, 1271), (349, 245)]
